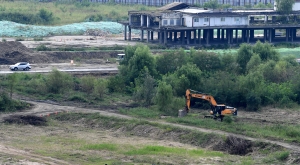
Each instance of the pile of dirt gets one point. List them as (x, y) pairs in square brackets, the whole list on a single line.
[(234, 145), (13, 52), (26, 120)]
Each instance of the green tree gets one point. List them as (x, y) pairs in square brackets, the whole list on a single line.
[(285, 6), (212, 4), (46, 16), (254, 61), (244, 54), (206, 61), (140, 63), (12, 81), (168, 62), (58, 82), (265, 51), (100, 87), (164, 97), (146, 92)]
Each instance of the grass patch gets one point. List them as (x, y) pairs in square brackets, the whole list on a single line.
[(141, 112), (70, 12), (162, 150), (103, 146)]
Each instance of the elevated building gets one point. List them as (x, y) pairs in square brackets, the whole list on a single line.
[(178, 23)]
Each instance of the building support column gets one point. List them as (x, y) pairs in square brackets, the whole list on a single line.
[(247, 35), (231, 35), (228, 35), (243, 35), (165, 37), (218, 34), (195, 36), (171, 36), (265, 35), (151, 35), (292, 35), (251, 34), (129, 33), (188, 37), (182, 36), (287, 34), (207, 36), (142, 35), (160, 37), (199, 35), (175, 36), (237, 35), (223, 31), (148, 36), (270, 35), (125, 32)]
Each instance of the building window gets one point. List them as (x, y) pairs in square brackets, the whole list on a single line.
[(196, 19), (206, 19), (222, 19), (178, 22), (236, 19), (165, 22), (172, 22)]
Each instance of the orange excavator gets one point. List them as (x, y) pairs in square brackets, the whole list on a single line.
[(218, 111)]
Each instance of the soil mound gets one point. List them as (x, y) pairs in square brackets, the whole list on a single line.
[(13, 52), (26, 120)]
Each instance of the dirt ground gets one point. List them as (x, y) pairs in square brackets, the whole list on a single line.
[(14, 151)]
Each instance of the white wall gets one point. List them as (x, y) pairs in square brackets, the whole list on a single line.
[(296, 6), (215, 21)]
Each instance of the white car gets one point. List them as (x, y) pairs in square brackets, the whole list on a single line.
[(20, 66)]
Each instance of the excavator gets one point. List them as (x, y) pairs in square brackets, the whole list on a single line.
[(218, 111)]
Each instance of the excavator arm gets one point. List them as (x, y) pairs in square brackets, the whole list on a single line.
[(195, 94)]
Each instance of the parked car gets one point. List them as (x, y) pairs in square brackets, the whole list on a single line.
[(20, 66)]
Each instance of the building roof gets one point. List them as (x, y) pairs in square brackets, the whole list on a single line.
[(174, 6), (194, 11)]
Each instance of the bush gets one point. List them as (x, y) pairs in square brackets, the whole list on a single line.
[(282, 156), (228, 119), (78, 98), (58, 82), (100, 87), (87, 83), (42, 48)]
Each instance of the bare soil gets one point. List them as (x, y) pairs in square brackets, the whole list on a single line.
[(26, 125)]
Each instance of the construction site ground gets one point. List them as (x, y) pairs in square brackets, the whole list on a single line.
[(21, 144)]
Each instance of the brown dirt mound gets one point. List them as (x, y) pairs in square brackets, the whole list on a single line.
[(13, 51), (234, 146), (26, 120)]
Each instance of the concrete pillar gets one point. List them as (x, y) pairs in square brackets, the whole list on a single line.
[(222, 37), (195, 37), (148, 36), (165, 36), (142, 35), (231, 35), (199, 35), (207, 36), (247, 35), (125, 32), (182, 36), (204, 34), (148, 21), (175, 36), (171, 36), (270, 35), (251, 34), (151, 35), (228, 34), (142, 20), (237, 35), (218, 34), (160, 37), (129, 33), (211, 34), (188, 37), (287, 34), (295, 33), (292, 35), (265, 35)]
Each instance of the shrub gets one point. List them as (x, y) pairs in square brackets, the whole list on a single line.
[(282, 156), (87, 83), (100, 87), (42, 48), (228, 119), (57, 82)]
